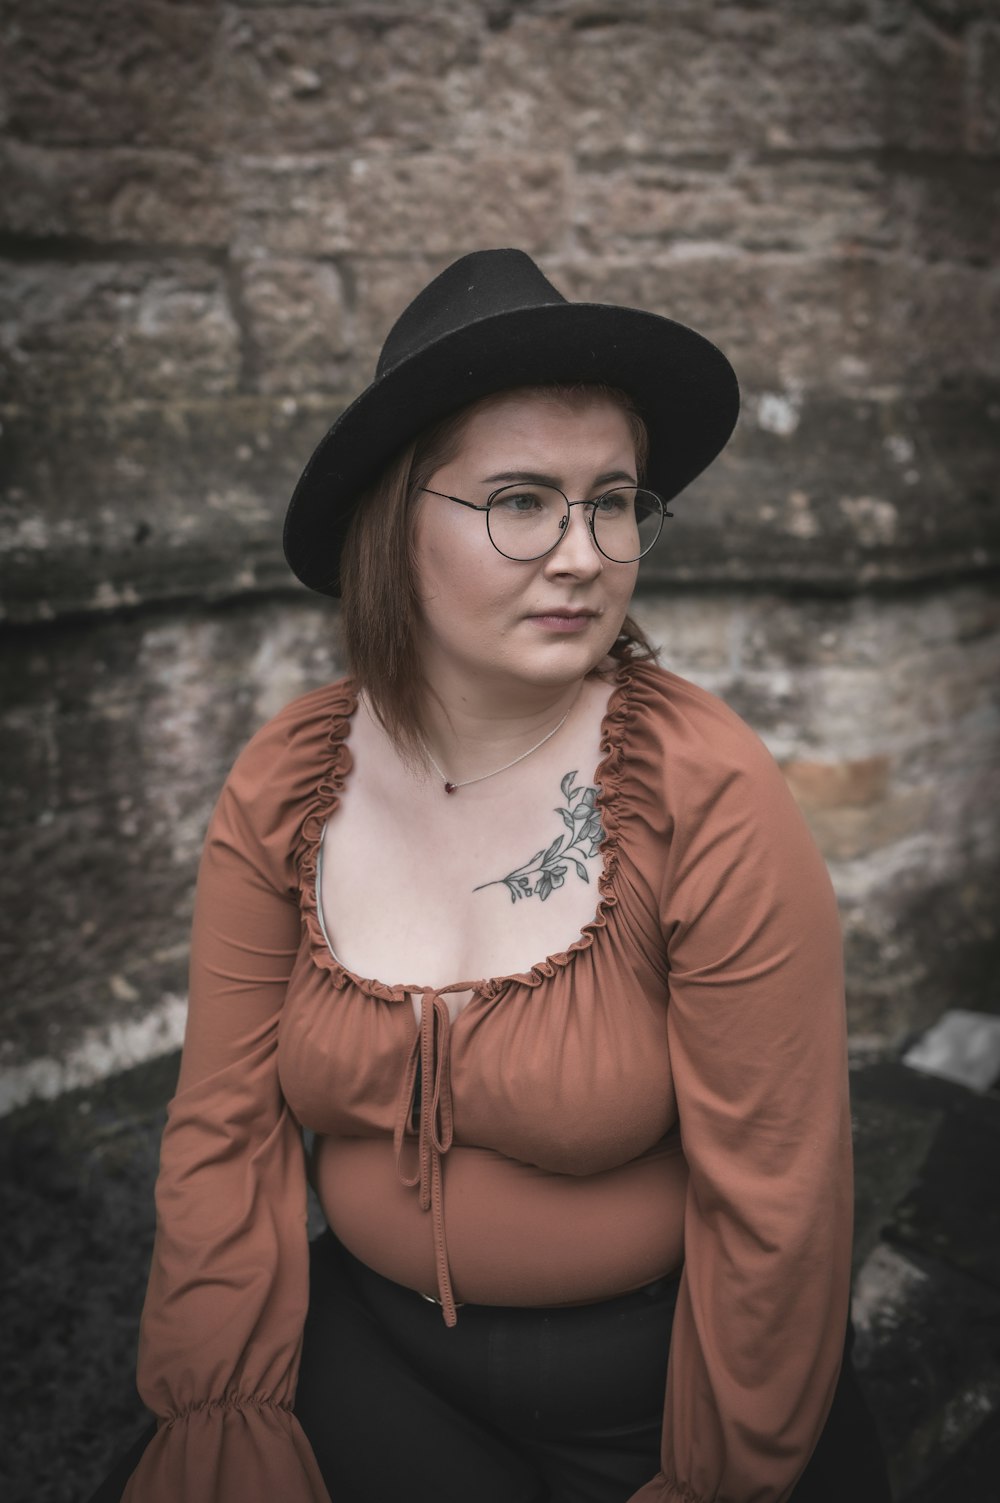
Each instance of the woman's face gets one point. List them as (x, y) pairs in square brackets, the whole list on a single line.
[(548, 621)]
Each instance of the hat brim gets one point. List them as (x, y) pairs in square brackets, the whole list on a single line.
[(682, 385)]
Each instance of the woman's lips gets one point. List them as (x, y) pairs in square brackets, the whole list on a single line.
[(564, 622)]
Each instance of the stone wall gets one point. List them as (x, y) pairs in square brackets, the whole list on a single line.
[(209, 214)]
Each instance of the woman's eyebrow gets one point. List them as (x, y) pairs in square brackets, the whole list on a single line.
[(534, 478)]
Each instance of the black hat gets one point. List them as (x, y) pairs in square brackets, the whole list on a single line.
[(489, 322)]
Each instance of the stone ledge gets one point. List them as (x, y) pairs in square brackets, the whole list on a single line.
[(828, 493)]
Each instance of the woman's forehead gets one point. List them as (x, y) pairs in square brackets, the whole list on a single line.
[(538, 419)]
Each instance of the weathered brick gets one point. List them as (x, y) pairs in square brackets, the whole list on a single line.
[(100, 194), (305, 78), (125, 72), (946, 213), (295, 321), (351, 201), (117, 329), (803, 205), (711, 79)]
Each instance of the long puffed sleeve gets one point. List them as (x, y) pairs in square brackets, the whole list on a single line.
[(222, 1324), (756, 1025)]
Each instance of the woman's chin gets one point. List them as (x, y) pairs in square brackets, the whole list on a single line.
[(560, 663)]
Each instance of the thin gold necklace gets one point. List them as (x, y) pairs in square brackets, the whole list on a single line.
[(450, 787)]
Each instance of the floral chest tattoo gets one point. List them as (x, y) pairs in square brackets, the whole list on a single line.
[(548, 868)]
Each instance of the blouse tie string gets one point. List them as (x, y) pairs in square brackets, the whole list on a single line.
[(430, 1054)]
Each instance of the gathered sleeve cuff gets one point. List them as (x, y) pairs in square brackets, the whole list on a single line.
[(757, 1032), (222, 1324), (235, 1449)]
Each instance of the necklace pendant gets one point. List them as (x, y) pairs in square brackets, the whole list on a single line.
[(450, 788)]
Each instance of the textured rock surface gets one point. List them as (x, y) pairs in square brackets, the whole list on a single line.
[(210, 212), (209, 215)]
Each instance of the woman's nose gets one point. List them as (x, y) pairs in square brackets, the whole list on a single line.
[(576, 552)]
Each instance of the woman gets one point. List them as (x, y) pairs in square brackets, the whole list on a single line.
[(543, 1185)]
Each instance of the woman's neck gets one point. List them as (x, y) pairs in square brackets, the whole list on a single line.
[(470, 727)]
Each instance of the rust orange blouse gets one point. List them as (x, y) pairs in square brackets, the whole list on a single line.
[(671, 1089)]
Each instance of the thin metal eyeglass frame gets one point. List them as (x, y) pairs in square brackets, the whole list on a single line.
[(593, 504)]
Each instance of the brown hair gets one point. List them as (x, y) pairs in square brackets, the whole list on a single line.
[(380, 607)]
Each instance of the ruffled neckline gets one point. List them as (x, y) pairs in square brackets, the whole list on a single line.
[(325, 800)]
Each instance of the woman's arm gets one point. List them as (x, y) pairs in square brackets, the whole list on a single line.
[(222, 1323), (757, 1034)]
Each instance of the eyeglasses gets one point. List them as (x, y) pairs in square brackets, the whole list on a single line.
[(526, 521)]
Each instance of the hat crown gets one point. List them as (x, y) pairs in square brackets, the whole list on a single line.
[(474, 287)]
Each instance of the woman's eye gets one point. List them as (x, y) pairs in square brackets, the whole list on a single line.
[(519, 502), (613, 504)]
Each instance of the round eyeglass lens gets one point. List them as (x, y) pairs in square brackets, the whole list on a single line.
[(627, 522), (526, 521)]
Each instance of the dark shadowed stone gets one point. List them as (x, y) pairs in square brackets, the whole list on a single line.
[(927, 1349), (927, 1296), (891, 1142), (112, 195), (76, 1203), (964, 1148), (970, 1473), (76, 1184)]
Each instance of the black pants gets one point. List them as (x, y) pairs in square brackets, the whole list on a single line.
[(510, 1406)]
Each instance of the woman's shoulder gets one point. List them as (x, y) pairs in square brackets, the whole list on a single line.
[(307, 719), (675, 720), (295, 750)]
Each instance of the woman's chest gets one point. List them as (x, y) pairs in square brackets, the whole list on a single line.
[(429, 897), (568, 1069)]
